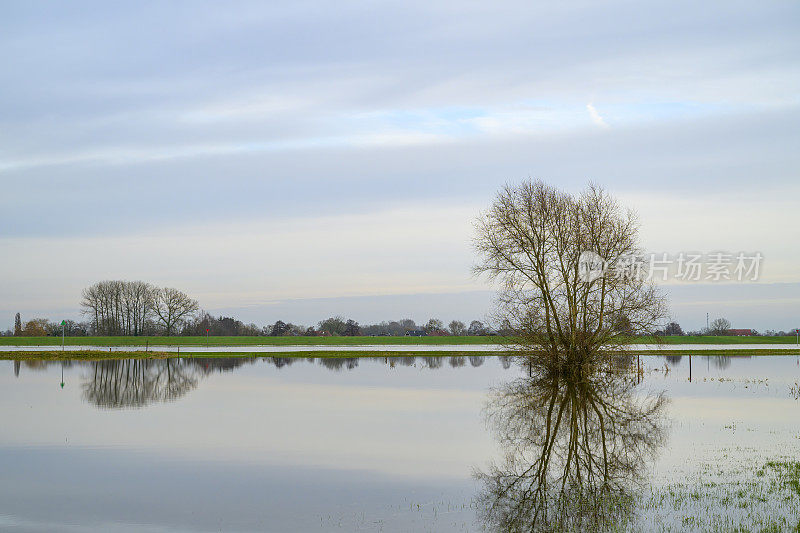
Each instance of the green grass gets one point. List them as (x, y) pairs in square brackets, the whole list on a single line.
[(334, 341), (713, 339), (243, 341)]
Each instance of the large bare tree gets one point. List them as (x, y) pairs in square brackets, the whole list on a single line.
[(534, 240), (172, 307)]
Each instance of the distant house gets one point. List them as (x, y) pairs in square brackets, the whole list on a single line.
[(740, 332), (415, 333)]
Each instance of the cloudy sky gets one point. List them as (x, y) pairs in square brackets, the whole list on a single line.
[(293, 160)]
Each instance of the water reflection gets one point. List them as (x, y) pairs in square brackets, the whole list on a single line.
[(339, 363), (577, 444), (205, 461), (721, 361), (457, 361), (138, 382), (433, 361), (127, 383), (405, 360), (476, 360)]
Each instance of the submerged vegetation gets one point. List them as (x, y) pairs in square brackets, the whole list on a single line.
[(725, 498)]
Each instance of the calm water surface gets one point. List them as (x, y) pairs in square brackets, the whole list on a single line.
[(380, 444)]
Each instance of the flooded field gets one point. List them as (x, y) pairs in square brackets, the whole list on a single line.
[(461, 443)]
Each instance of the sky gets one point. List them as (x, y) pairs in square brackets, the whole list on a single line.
[(301, 159)]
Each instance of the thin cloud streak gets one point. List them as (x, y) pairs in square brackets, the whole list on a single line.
[(596, 118)]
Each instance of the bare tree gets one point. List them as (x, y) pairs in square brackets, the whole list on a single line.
[(279, 329), (351, 328), (476, 327), (139, 305), (407, 325), (533, 239), (673, 328), (171, 307), (457, 328), (99, 304), (335, 325), (434, 324), (117, 307), (719, 326), (17, 325)]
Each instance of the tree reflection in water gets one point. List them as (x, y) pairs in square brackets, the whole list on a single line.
[(138, 382), (339, 363), (577, 442), (126, 383), (476, 360)]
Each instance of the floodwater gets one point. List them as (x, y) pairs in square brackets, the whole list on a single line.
[(388, 444)]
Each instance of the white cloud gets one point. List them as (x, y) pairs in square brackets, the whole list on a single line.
[(596, 118)]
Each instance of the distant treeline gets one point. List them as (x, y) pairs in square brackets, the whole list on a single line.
[(204, 323), (135, 308), (720, 327)]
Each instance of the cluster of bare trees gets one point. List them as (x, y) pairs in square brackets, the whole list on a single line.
[(117, 307)]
